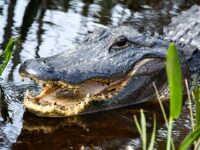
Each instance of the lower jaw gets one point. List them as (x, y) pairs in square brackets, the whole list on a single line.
[(53, 110), (82, 104), (85, 105)]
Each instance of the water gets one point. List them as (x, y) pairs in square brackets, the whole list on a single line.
[(50, 27)]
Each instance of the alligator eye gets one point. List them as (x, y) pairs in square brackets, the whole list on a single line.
[(120, 43)]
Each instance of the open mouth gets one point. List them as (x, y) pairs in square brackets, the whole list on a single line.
[(64, 99)]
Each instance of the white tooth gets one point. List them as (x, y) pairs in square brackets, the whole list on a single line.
[(88, 95), (28, 94)]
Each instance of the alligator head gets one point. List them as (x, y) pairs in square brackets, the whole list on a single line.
[(110, 68)]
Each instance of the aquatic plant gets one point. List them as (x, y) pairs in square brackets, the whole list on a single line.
[(174, 78), (141, 127), (175, 86), (5, 57), (7, 54), (196, 96)]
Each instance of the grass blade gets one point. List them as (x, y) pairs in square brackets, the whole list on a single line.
[(7, 54), (174, 76), (153, 136), (160, 103), (137, 125), (197, 102), (187, 142), (190, 105), (143, 127), (169, 136)]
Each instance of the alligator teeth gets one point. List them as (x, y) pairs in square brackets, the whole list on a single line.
[(28, 95), (88, 95), (27, 92)]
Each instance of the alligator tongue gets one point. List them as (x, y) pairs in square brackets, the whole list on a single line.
[(95, 87)]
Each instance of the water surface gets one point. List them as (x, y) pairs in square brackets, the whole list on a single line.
[(50, 27)]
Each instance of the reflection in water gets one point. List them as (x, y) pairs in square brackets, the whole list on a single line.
[(48, 27), (9, 25), (11, 112), (4, 107), (102, 130), (40, 25), (28, 19)]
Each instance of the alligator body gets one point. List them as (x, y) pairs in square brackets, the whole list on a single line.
[(110, 68)]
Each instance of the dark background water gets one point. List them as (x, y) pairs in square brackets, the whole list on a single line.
[(48, 27)]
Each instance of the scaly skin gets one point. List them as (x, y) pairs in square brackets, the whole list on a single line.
[(111, 68)]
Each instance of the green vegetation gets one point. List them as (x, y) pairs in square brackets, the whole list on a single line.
[(175, 83), (7, 54), (197, 102), (5, 57), (142, 130), (189, 140), (174, 77)]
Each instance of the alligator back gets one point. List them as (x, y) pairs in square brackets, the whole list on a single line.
[(184, 30)]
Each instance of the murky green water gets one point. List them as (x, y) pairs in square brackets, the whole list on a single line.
[(48, 27)]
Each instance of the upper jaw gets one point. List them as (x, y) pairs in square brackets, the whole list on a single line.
[(146, 66), (60, 69), (98, 86), (44, 73)]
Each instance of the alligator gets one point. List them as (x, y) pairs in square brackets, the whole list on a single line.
[(111, 68)]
